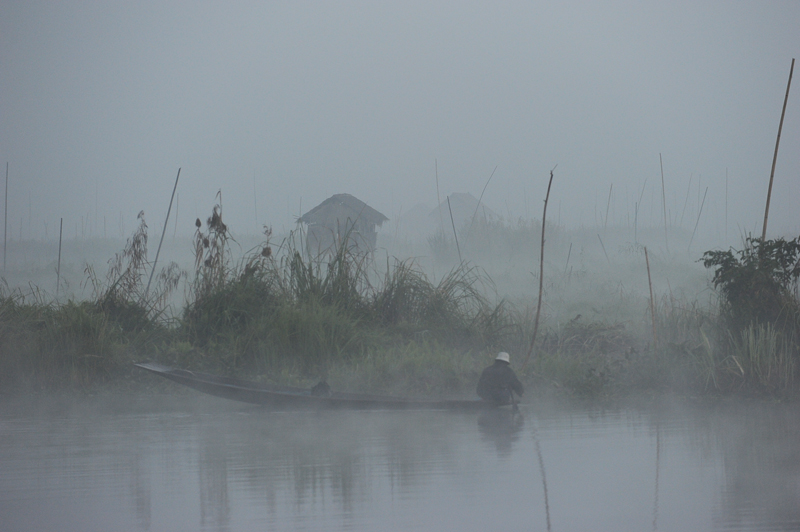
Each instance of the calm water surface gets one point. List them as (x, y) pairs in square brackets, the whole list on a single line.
[(200, 463)]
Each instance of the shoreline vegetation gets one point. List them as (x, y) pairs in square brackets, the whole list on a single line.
[(277, 315)]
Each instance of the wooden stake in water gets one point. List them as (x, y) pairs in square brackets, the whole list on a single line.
[(438, 200), (686, 201), (663, 201), (58, 267), (255, 203), (699, 213), (163, 231), (608, 205), (775, 156), (177, 210), (604, 248), (568, 254), (472, 221), (541, 272), (652, 305), (5, 223), (460, 260)]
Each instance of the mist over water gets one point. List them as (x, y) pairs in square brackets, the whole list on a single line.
[(282, 105), (271, 108), (584, 269), (196, 463), (652, 116)]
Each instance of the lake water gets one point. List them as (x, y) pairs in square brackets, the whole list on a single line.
[(201, 463)]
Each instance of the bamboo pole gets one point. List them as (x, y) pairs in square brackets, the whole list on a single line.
[(58, 267), (255, 204), (460, 260), (726, 206), (775, 155), (163, 231), (472, 221), (652, 305), (604, 248), (438, 198), (5, 223), (541, 273), (699, 213), (686, 201), (177, 210), (663, 201), (568, 255)]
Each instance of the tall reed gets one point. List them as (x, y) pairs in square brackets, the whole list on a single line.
[(765, 357)]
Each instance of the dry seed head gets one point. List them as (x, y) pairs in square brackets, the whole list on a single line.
[(215, 221), (198, 223)]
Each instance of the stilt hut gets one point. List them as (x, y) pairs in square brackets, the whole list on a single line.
[(465, 209), (341, 219)]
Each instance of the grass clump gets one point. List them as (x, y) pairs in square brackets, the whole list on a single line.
[(284, 309), (765, 358), (760, 310), (253, 313), (586, 358), (46, 344)]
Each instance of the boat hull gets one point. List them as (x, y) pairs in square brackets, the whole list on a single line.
[(289, 397)]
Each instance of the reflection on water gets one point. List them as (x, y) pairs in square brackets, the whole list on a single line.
[(208, 464), (502, 426)]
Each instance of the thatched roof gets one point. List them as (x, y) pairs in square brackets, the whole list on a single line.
[(343, 207)]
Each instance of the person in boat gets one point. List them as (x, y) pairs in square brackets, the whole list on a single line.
[(498, 382)]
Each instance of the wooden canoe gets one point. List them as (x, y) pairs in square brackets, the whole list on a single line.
[(288, 397)]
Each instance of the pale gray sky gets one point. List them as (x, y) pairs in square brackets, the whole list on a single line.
[(101, 102)]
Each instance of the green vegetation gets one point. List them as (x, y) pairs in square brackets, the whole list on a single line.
[(760, 285), (760, 310), (274, 314), (278, 315)]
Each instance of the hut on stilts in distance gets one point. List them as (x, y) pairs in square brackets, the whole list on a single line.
[(340, 220)]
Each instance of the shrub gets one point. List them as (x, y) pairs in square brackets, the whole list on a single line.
[(759, 282)]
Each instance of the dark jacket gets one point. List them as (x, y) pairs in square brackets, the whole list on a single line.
[(497, 382)]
